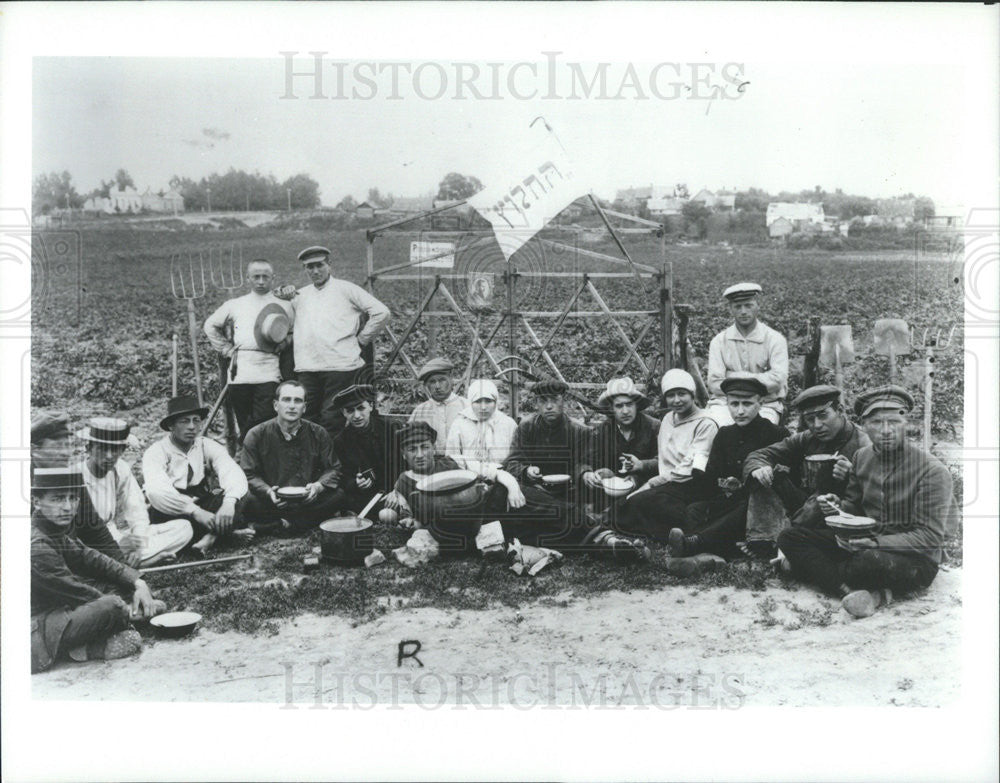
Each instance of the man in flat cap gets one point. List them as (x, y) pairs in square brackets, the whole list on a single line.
[(181, 471), (367, 447), (747, 346), (70, 617), (288, 451), (549, 442), (716, 525), (785, 477), (251, 331), (624, 444), (683, 446), (443, 405), (51, 442), (906, 490), (329, 337)]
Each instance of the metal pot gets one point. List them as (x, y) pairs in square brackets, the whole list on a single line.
[(346, 540)]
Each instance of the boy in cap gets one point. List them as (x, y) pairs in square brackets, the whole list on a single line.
[(625, 442), (367, 447), (684, 443), (288, 451), (113, 502), (251, 331), (747, 346), (907, 491), (443, 406), (329, 337), (717, 524), (549, 442), (783, 484), (69, 616), (179, 470)]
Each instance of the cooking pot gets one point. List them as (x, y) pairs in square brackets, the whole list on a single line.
[(346, 540), (446, 493)]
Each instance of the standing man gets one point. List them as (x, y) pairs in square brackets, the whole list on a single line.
[(367, 448), (748, 346), (328, 335), (287, 451), (69, 616), (905, 489), (180, 470), (443, 405), (251, 331), (780, 477)]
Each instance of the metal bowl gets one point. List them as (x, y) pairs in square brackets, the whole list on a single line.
[(852, 525), (556, 479), (173, 625), (616, 486), (292, 494), (447, 481)]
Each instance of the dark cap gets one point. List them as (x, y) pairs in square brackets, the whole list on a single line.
[(316, 251), (737, 384), (548, 387), (353, 395), (816, 397), (883, 398), (181, 406), (417, 432), (49, 425)]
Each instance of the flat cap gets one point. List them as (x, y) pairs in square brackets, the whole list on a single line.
[(49, 425), (316, 251), (549, 386), (434, 366), (354, 395), (62, 477), (743, 383), (816, 397), (677, 379), (417, 432), (883, 398), (742, 291)]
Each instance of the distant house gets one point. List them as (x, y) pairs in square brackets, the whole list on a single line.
[(171, 201), (705, 197), (665, 207), (898, 211), (632, 198), (125, 199), (946, 218), (364, 211), (725, 201), (97, 204), (796, 214), (412, 206), (781, 227)]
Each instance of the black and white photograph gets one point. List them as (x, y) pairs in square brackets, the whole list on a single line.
[(603, 390)]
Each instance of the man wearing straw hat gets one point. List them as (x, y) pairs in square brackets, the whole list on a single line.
[(251, 331), (115, 501), (180, 470), (69, 616), (904, 490), (748, 345)]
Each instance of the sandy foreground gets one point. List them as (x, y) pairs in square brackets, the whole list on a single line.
[(712, 647)]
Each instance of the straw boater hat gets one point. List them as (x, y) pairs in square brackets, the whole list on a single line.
[(181, 406), (114, 432), (353, 395), (314, 252), (271, 326), (742, 291), (622, 387), (62, 477), (741, 383), (884, 398), (433, 367)]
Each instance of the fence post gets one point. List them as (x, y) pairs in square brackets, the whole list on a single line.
[(510, 277), (666, 320), (812, 356)]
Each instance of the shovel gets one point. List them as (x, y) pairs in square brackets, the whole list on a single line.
[(892, 339), (836, 348)]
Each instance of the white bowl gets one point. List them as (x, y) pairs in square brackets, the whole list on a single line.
[(616, 486)]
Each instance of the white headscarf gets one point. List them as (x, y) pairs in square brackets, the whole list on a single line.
[(482, 388)]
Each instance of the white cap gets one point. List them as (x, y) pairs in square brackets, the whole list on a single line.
[(677, 379), (742, 290)]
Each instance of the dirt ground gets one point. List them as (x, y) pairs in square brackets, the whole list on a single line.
[(710, 647)]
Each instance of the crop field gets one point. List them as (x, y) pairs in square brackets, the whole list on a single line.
[(103, 318)]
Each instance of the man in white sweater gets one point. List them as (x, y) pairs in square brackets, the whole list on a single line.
[(251, 331), (328, 335)]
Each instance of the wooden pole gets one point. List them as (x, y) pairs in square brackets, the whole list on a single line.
[(510, 279), (196, 564), (173, 368), (193, 329)]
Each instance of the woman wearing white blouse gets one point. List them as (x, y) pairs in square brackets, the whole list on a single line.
[(481, 436)]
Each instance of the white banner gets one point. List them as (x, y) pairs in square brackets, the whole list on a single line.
[(437, 254), (536, 185)]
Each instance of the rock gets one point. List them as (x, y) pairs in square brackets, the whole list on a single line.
[(374, 559)]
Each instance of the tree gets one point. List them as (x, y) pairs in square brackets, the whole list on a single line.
[(123, 179), (54, 191), (456, 187), (304, 191), (696, 214), (347, 203), (923, 208), (376, 199)]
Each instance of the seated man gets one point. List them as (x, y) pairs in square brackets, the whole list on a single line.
[(717, 524), (747, 346), (443, 406), (115, 503), (481, 436), (905, 489), (549, 442), (684, 441), (783, 483), (179, 470), (624, 443), (367, 448), (529, 515), (69, 616), (289, 451)]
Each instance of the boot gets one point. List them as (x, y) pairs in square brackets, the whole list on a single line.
[(680, 545)]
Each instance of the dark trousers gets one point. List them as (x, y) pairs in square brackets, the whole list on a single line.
[(321, 508), (654, 512), (815, 557), (321, 388), (252, 403), (94, 622), (719, 524), (208, 501)]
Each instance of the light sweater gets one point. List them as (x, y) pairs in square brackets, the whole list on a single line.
[(253, 365), (480, 445), (763, 352), (326, 325), (440, 416), (684, 445)]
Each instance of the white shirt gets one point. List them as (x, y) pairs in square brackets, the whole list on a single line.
[(166, 470), (684, 444), (117, 499), (763, 352), (253, 365), (440, 416), (480, 445)]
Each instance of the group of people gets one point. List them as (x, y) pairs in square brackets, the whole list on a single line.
[(713, 484)]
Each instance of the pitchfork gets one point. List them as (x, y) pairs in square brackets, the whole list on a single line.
[(930, 342), (187, 282)]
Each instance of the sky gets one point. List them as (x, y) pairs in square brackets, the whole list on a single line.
[(879, 130)]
